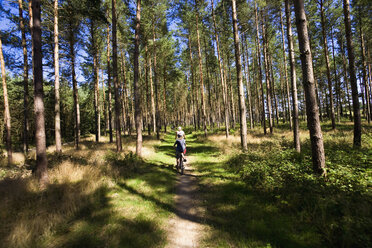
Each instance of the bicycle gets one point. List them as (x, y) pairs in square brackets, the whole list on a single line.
[(180, 164)]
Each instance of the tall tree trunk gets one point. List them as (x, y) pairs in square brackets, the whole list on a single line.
[(25, 78), (316, 136), (75, 89), (364, 72), (260, 68), (192, 79), (57, 104), (123, 98), (137, 92), (97, 114), (41, 159), (286, 73), (337, 82), (246, 63), (148, 94), (115, 77), (243, 118), (224, 96), (109, 84), (157, 112), (325, 49), (6, 108), (201, 71), (153, 111), (165, 97), (296, 131), (346, 79), (267, 74), (353, 81)]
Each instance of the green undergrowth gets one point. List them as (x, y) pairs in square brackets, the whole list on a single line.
[(269, 196), (96, 198)]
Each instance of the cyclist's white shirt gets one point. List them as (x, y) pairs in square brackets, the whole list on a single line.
[(182, 133)]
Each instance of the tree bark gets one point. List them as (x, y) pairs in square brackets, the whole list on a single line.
[(97, 114), (242, 108), (364, 72), (115, 77), (325, 50), (346, 79), (157, 112), (260, 68), (312, 111), (267, 74), (296, 131), (75, 89), (201, 72), (109, 84), (57, 108), (246, 63), (353, 81), (41, 159), (286, 73), (137, 92), (6, 108), (25, 79), (224, 95)]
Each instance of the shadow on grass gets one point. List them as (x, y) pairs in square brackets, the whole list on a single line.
[(67, 215)]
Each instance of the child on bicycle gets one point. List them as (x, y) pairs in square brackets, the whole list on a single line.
[(180, 146)]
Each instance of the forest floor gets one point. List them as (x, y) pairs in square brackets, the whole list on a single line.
[(267, 197)]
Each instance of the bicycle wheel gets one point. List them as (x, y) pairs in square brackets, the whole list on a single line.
[(181, 165)]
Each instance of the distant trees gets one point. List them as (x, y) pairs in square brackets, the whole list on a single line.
[(184, 73)]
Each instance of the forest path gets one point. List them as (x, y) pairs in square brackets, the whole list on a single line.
[(186, 227)]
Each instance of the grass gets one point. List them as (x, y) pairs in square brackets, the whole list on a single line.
[(269, 197), (96, 199), (266, 197)]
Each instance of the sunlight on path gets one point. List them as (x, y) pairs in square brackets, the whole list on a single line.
[(185, 229)]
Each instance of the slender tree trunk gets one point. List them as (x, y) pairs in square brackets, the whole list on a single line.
[(267, 74), (25, 78), (136, 85), (364, 72), (201, 72), (316, 136), (337, 83), (57, 108), (286, 73), (243, 118), (6, 108), (296, 131), (123, 98), (148, 94), (153, 111), (260, 69), (353, 81), (246, 63), (165, 98), (325, 49), (41, 159), (75, 89), (271, 70), (157, 111), (109, 84), (346, 80), (115, 77), (192, 79), (96, 82), (224, 96)]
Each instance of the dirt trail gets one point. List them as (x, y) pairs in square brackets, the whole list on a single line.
[(186, 228)]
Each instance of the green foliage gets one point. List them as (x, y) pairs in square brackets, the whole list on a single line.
[(339, 206)]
